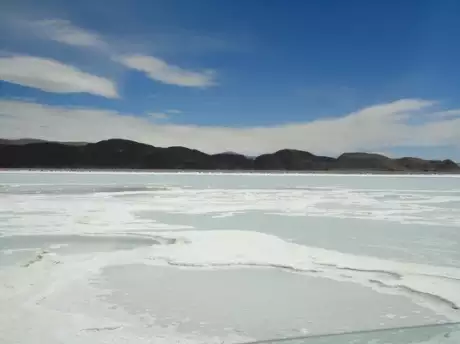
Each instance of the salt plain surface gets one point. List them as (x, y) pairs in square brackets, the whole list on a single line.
[(211, 258)]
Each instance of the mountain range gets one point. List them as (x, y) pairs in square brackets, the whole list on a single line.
[(125, 154)]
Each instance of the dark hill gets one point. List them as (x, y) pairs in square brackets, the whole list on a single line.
[(24, 141), (125, 154), (292, 160), (366, 161)]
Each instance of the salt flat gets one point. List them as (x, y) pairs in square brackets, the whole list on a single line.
[(214, 257)]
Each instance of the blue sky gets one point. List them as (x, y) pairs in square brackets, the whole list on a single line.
[(250, 76)]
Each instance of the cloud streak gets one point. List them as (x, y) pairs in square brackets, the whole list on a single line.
[(376, 128), (158, 115), (174, 111), (64, 31), (155, 68), (159, 70), (53, 76)]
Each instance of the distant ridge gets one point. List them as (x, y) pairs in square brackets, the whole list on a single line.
[(20, 142), (126, 154)]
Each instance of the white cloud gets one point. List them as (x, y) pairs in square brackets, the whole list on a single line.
[(174, 111), (376, 128), (116, 50), (448, 113), (65, 32), (160, 70), (159, 115), (53, 76)]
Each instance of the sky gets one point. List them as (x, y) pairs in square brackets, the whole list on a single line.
[(245, 76)]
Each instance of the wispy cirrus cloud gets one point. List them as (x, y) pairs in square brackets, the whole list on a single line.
[(159, 70), (64, 31), (174, 111), (163, 116), (53, 76), (448, 113), (158, 115), (376, 128)]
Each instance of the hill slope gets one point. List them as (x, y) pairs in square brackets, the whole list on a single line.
[(118, 154)]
